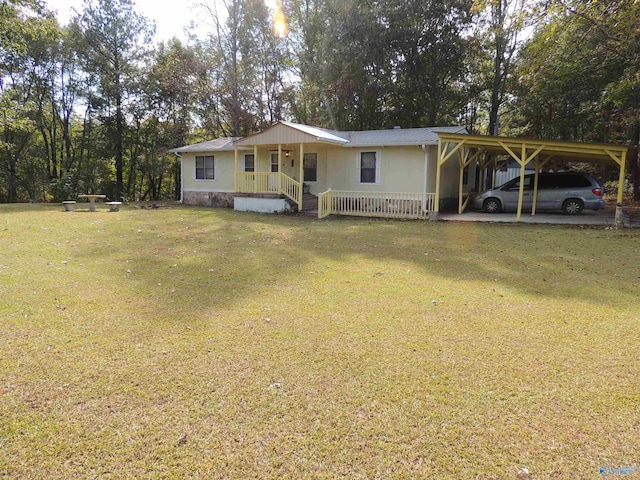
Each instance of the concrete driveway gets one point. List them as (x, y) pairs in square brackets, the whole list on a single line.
[(588, 217)]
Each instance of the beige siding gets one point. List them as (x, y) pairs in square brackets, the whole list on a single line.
[(401, 169), (223, 164)]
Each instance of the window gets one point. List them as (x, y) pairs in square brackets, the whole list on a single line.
[(310, 167), (249, 163), (274, 162), (515, 183), (369, 167), (204, 168)]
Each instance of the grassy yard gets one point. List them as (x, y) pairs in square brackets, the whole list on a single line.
[(193, 342)]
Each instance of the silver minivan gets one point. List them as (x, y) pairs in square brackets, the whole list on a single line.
[(566, 191)]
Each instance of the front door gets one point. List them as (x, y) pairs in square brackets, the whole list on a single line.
[(273, 179)]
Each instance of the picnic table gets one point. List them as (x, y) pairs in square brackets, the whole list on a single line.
[(92, 200)]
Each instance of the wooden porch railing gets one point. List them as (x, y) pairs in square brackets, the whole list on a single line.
[(269, 182), (376, 204), (291, 188)]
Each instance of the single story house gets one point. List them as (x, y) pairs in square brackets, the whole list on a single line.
[(289, 166)]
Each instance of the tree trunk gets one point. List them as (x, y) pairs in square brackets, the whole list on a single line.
[(119, 141), (635, 168)]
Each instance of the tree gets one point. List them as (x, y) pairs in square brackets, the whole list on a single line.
[(117, 40), (175, 85), (26, 31), (500, 26), (428, 55), (580, 75)]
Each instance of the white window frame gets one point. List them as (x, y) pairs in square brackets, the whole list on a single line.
[(205, 158), (272, 157), (359, 167), (303, 167), (245, 162)]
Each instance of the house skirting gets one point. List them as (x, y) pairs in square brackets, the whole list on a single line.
[(261, 203), (208, 199)]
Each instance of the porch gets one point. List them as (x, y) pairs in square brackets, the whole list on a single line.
[(336, 202), (377, 204)]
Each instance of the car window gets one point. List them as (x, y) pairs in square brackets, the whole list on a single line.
[(545, 182), (554, 181), (528, 184)]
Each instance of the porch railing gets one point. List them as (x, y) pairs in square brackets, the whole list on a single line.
[(269, 182), (290, 188), (257, 182), (376, 204)]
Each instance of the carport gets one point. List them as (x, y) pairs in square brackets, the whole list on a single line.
[(486, 149)]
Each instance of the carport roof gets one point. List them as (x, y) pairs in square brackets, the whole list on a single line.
[(469, 148), (551, 149)]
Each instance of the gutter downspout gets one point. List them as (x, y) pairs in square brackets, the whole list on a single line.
[(181, 178), (425, 203)]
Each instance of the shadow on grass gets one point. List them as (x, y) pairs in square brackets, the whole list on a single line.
[(215, 258), (200, 258)]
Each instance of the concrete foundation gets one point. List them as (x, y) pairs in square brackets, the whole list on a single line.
[(261, 204), (208, 199)]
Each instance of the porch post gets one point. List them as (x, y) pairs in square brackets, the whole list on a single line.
[(235, 169), (255, 159), (255, 168), (301, 177), (279, 167)]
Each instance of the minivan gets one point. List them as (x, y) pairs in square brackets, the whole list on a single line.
[(567, 191)]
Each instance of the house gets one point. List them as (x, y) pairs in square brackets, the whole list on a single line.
[(289, 166)]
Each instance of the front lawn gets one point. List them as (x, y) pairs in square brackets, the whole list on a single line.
[(194, 342)]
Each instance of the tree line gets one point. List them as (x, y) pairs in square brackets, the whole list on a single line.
[(94, 106)]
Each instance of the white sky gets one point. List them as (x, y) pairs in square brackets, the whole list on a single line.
[(171, 16)]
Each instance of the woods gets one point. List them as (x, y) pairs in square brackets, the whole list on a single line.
[(95, 105)]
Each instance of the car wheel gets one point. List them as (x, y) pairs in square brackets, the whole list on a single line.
[(572, 206), (492, 205)]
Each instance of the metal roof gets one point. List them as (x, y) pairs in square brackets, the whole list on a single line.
[(368, 138), (322, 134), (309, 134), (223, 144), (399, 136)]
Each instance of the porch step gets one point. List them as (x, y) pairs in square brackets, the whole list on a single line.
[(309, 203)]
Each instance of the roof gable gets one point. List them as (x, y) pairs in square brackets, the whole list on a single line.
[(287, 133)]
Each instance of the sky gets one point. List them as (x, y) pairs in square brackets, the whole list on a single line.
[(171, 16)]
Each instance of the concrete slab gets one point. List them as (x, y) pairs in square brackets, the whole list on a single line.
[(590, 218)]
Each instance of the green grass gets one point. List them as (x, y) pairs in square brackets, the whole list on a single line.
[(193, 342)]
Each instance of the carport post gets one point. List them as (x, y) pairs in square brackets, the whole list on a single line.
[(619, 219), (436, 206), (535, 187), (521, 161)]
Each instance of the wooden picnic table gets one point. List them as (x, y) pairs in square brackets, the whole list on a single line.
[(92, 200)]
